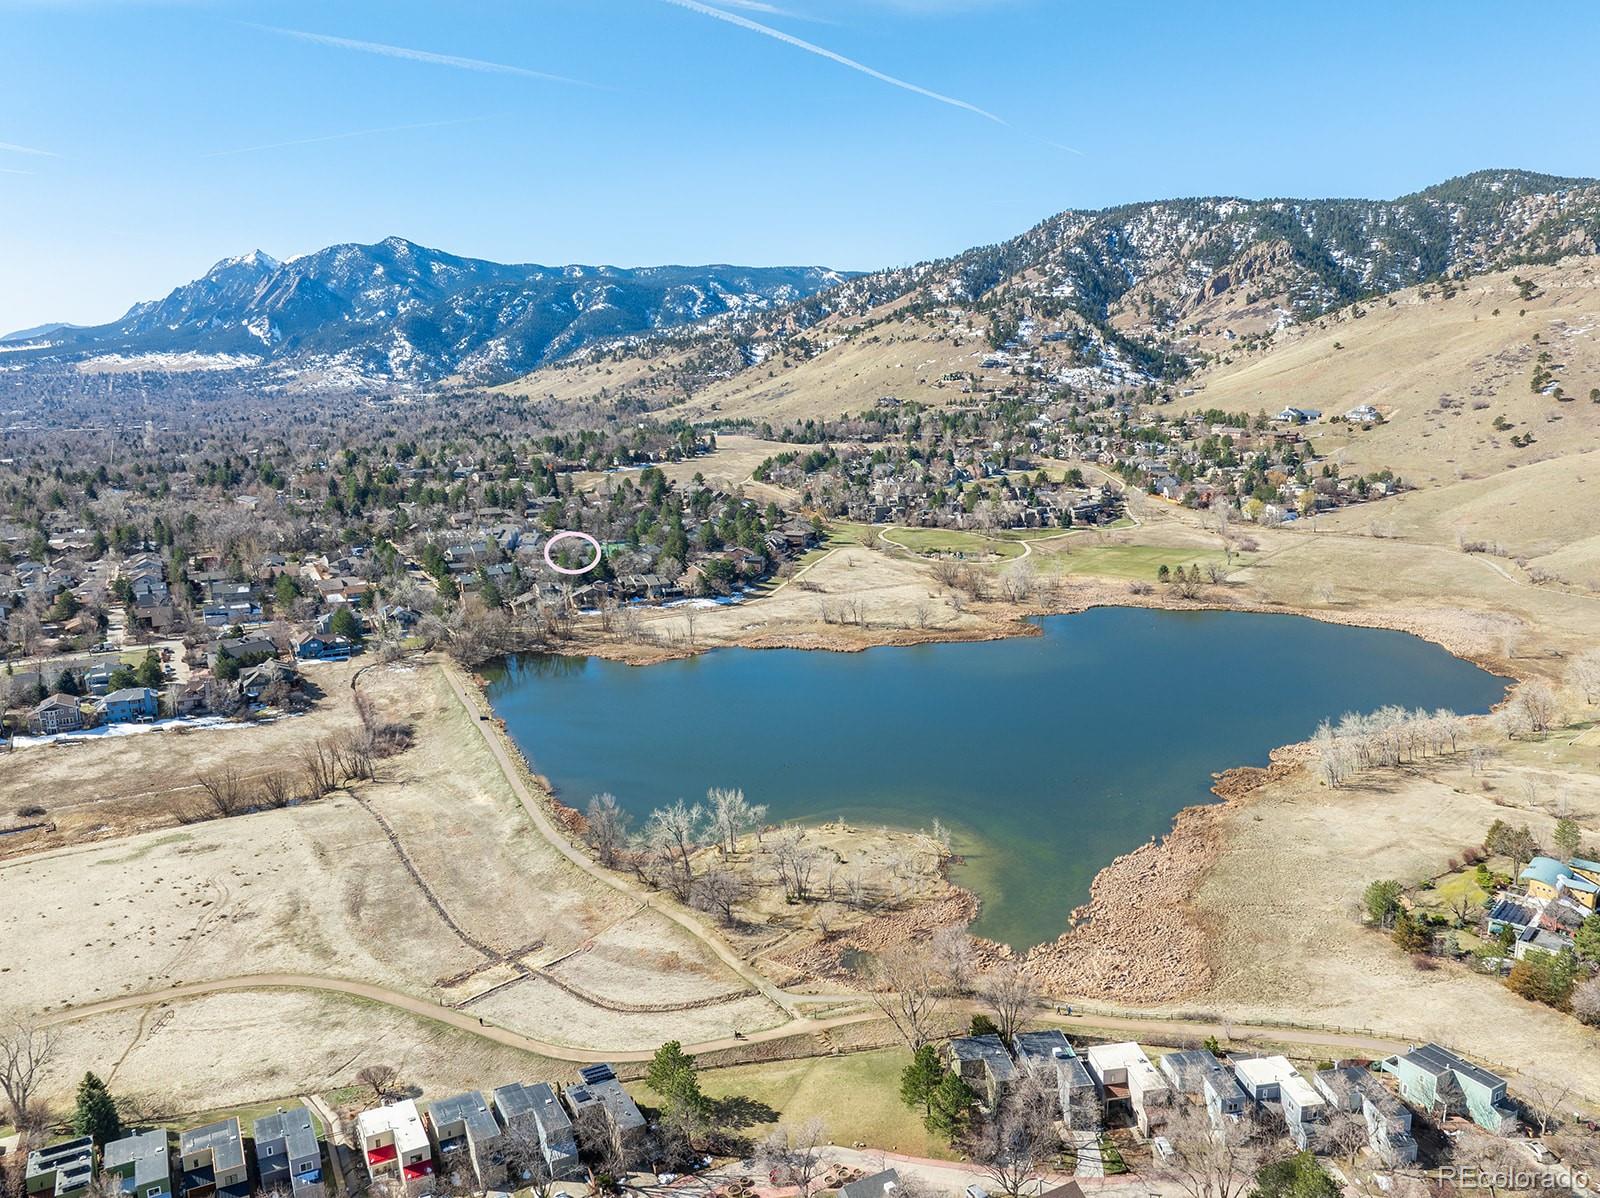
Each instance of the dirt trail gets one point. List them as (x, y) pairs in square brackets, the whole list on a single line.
[(1134, 1026), (495, 739)]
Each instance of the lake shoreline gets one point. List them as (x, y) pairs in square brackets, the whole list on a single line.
[(1139, 935)]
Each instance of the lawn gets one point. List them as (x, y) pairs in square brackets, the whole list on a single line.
[(1139, 562), (247, 1115), (857, 1095), (954, 540)]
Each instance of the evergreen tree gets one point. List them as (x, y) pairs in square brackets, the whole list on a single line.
[(672, 1075), (1299, 1176), (920, 1078), (950, 1107), (149, 672), (96, 1112)]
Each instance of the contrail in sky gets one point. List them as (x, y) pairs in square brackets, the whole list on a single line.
[(706, 10), (311, 141), (13, 148), (428, 56)]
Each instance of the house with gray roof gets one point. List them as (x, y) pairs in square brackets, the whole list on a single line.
[(142, 1162), (984, 1064), (213, 1162), (599, 1100), (467, 1138), (1200, 1077), (288, 1153), (877, 1185), (1050, 1053), (536, 1111), (1436, 1080), (1352, 1089), (60, 1170), (129, 704)]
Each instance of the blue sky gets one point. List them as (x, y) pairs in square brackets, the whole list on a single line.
[(142, 141)]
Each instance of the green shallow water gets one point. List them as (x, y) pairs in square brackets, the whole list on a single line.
[(1047, 756)]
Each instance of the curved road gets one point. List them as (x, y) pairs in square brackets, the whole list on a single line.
[(1137, 1027)]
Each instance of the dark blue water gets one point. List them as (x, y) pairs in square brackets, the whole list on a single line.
[(1047, 756)]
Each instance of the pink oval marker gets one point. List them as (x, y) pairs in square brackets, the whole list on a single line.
[(571, 536)]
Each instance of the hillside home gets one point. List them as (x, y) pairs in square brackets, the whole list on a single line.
[(1129, 1085), (1200, 1077), (212, 1161), (243, 649), (600, 1105), (142, 1164), (1548, 879), (254, 681), (58, 713), (128, 705), (394, 1143), (984, 1064), (1273, 1081), (535, 1110), (288, 1154), (1435, 1080), (468, 1139), (61, 1170), (1050, 1053)]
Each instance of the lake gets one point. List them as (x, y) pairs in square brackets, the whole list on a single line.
[(1047, 756)]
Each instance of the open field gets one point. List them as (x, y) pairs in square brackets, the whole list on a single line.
[(236, 1050), (1281, 904)]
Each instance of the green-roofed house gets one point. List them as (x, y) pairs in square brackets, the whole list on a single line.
[(143, 1163), (1549, 879), (1441, 1083)]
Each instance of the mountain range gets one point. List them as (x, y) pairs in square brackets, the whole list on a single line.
[(400, 310), (1129, 294)]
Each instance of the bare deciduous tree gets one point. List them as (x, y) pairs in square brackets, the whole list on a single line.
[(674, 833), (792, 1155), (1010, 993), (25, 1054), (719, 890), (607, 829), (1018, 1144), (1208, 1161), (732, 817), (382, 1080), (1585, 675), (224, 790), (796, 861), (909, 989)]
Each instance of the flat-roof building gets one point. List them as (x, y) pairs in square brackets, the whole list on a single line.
[(288, 1153), (1049, 1052), (600, 1095), (142, 1163), (213, 1161), (467, 1136), (60, 1170), (394, 1142), (1197, 1074), (1128, 1082), (537, 1111)]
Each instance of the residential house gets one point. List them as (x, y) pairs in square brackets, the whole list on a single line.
[(187, 698), (324, 648), (142, 1162), (1129, 1085), (599, 1101), (97, 678), (288, 1153), (1273, 1081), (58, 713), (1436, 1080), (255, 681), (535, 1110), (213, 1162), (394, 1142), (875, 1185), (61, 1170), (1050, 1053), (128, 705), (1198, 1076), (468, 1139), (1548, 879), (1351, 1089), (243, 649), (1293, 415), (984, 1064)]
